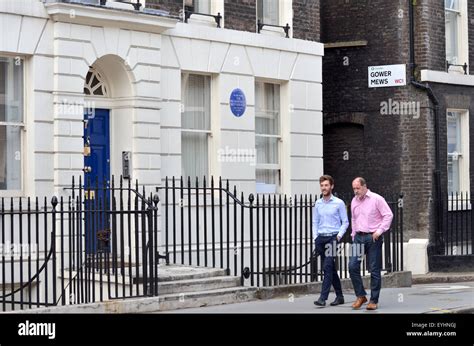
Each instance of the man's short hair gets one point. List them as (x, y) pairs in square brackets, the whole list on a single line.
[(326, 177), (361, 181)]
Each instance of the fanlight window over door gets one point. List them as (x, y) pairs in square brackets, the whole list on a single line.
[(95, 84)]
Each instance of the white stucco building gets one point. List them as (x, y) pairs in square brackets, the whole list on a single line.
[(164, 88)]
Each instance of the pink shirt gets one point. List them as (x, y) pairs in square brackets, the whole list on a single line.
[(371, 214)]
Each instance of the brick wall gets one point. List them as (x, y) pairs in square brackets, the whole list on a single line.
[(430, 41), (399, 148), (173, 6), (345, 90), (344, 154), (456, 97), (240, 15), (306, 19)]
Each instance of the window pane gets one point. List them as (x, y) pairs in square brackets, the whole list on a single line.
[(10, 158), (454, 150), (452, 53), (267, 149), (194, 154), (267, 122), (267, 181), (454, 132), (11, 90), (267, 108), (453, 175), (451, 4), (196, 91), (198, 6), (202, 6), (268, 11)]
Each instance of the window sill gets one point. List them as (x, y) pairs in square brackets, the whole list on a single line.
[(197, 19), (263, 188), (279, 32), (12, 193), (447, 78), (102, 16)]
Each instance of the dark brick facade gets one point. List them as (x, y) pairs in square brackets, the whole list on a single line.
[(343, 153), (172, 6), (397, 151), (430, 43), (240, 15), (348, 100), (306, 20), (455, 97)]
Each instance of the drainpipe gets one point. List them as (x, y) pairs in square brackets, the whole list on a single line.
[(426, 87)]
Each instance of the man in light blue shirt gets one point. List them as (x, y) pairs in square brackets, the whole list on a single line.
[(330, 222)]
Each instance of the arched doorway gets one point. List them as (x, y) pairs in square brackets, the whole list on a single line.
[(108, 121), (108, 114), (96, 133)]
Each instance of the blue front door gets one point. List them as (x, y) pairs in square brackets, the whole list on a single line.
[(97, 179)]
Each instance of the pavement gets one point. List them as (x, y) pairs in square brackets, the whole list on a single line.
[(422, 298), (442, 277)]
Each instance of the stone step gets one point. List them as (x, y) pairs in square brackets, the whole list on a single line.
[(206, 298), (171, 273), (175, 272), (197, 285)]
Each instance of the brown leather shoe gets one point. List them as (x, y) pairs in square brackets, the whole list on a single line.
[(358, 303), (371, 306)]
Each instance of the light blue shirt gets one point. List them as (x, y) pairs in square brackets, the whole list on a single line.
[(329, 217)]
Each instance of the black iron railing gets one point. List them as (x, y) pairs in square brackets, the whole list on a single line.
[(97, 244), (456, 232), (104, 242), (464, 66), (188, 12), (135, 4), (286, 28), (265, 238)]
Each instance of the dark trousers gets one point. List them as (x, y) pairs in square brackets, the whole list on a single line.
[(329, 267), (365, 245)]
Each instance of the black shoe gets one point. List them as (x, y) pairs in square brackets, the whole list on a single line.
[(338, 301), (320, 302)]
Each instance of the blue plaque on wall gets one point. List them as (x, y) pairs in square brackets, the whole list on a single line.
[(238, 103)]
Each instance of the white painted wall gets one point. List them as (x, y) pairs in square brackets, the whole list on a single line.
[(415, 256), (239, 59), (143, 72), (142, 63)]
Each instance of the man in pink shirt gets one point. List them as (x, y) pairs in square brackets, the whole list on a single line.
[(371, 217)]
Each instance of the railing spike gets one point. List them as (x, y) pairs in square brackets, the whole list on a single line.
[(251, 198)]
